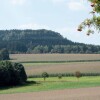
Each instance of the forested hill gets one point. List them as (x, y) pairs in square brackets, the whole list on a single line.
[(41, 41)]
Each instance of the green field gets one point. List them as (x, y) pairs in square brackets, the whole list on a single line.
[(53, 84)]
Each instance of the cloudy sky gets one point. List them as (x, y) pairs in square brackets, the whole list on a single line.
[(62, 16)]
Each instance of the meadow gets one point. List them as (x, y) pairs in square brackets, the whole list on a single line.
[(53, 84)]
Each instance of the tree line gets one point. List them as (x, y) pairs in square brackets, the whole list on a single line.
[(88, 49), (41, 41)]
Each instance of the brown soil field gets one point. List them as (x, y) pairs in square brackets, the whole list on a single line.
[(38, 68), (67, 94), (53, 57), (63, 67)]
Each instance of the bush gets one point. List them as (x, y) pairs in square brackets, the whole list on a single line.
[(60, 76), (78, 74), (4, 54), (12, 73), (45, 75)]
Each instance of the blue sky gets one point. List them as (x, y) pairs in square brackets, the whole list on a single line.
[(62, 16)]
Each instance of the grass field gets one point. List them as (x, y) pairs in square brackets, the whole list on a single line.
[(53, 84)]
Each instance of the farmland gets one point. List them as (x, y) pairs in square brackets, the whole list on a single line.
[(36, 64), (66, 94), (53, 84), (61, 88), (53, 57), (58, 63)]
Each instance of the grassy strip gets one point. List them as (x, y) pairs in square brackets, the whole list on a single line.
[(60, 61), (53, 84)]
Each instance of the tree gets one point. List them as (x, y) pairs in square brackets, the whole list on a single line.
[(4, 54), (94, 21), (45, 75), (60, 76), (78, 74), (12, 74)]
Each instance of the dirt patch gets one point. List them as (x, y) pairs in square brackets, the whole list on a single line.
[(67, 94)]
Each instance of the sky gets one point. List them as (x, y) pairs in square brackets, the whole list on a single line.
[(62, 16)]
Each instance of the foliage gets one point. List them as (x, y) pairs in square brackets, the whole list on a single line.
[(27, 41), (4, 54), (41, 41), (12, 73), (45, 75), (78, 74), (77, 48), (60, 76), (94, 21)]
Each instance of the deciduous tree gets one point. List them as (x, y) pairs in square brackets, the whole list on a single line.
[(92, 23), (4, 54), (45, 75), (12, 73), (78, 74)]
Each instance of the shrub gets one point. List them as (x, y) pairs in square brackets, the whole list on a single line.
[(45, 75), (60, 76), (78, 74), (12, 73), (4, 54)]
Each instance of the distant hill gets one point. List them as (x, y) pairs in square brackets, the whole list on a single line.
[(41, 41)]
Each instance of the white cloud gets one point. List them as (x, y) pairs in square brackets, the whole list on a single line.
[(54, 1), (76, 5), (18, 2), (32, 26), (57, 1)]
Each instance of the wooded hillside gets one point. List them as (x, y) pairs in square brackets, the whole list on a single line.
[(41, 41)]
